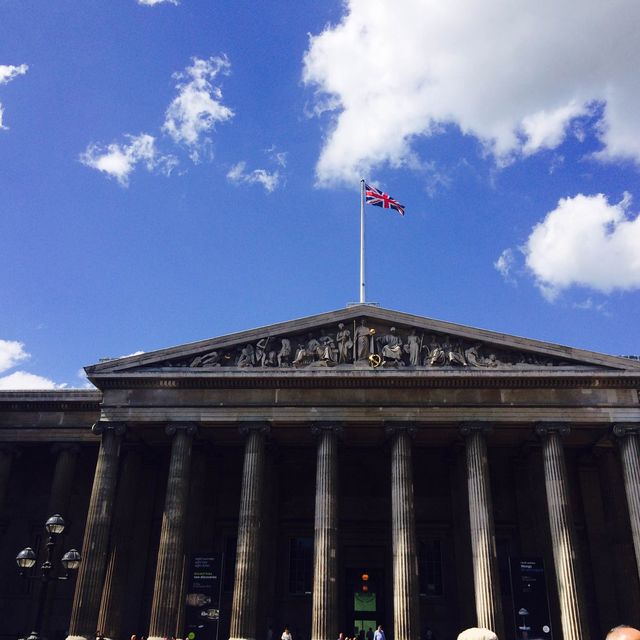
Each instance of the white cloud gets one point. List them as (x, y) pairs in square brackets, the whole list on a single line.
[(587, 242), (512, 75), (239, 175), (119, 160), (504, 264), (277, 157), (11, 353), (151, 3), (198, 105), (21, 380), (9, 72)]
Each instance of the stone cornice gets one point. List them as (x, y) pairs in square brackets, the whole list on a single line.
[(170, 379)]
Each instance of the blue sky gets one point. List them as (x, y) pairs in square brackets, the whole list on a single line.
[(173, 171)]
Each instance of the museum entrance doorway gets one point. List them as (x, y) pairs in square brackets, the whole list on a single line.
[(365, 600)]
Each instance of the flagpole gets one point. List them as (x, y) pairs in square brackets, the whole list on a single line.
[(362, 294)]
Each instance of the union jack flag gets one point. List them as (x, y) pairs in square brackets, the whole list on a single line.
[(379, 199)]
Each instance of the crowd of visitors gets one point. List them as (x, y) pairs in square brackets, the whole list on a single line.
[(621, 632)]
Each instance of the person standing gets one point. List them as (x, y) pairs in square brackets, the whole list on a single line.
[(370, 634), (379, 634), (286, 634)]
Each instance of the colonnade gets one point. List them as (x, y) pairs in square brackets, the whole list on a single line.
[(488, 603)]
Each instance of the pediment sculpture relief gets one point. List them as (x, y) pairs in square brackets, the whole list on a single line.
[(360, 345)]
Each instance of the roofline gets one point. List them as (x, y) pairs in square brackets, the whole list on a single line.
[(375, 312)]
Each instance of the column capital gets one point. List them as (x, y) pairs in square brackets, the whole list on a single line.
[(261, 426), (102, 426), (173, 427), (476, 426), (336, 428), (546, 428), (391, 428), (622, 429), (72, 447)]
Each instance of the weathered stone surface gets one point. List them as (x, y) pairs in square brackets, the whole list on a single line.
[(168, 583), (406, 613), (628, 437), (245, 592), (86, 603), (324, 625), (483, 543), (565, 552)]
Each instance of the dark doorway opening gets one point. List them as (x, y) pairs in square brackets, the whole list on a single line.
[(364, 601)]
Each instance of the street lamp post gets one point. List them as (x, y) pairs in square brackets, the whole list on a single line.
[(27, 558)]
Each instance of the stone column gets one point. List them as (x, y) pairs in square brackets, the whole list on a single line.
[(124, 522), (168, 583), (7, 454), (483, 541), (563, 538), (405, 561), (628, 435), (59, 500), (245, 589), (324, 625), (63, 476), (86, 602)]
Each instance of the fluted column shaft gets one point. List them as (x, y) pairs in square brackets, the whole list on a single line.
[(563, 538), (324, 625), (166, 591), (86, 602), (628, 436), (59, 499), (63, 476), (245, 590), (113, 593), (405, 561), (486, 578), (7, 453)]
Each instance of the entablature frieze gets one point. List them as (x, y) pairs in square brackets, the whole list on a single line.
[(398, 380)]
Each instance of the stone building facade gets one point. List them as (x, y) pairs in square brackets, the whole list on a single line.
[(353, 468)]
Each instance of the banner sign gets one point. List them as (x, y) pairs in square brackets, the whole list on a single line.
[(202, 615), (530, 602)]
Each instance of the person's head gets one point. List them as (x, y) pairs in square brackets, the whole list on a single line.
[(623, 632), (476, 633), (379, 627)]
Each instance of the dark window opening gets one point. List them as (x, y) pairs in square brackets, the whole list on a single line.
[(229, 573), (300, 565), (430, 567)]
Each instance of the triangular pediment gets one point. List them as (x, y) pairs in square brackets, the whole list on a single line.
[(363, 337)]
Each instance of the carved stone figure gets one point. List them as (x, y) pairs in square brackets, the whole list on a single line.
[(476, 359), (261, 351), (211, 359), (362, 338), (435, 356), (327, 352), (284, 355), (345, 344), (307, 353), (247, 356), (473, 356), (413, 348), (390, 346), (455, 355)]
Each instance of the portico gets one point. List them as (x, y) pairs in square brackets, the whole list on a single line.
[(309, 463)]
